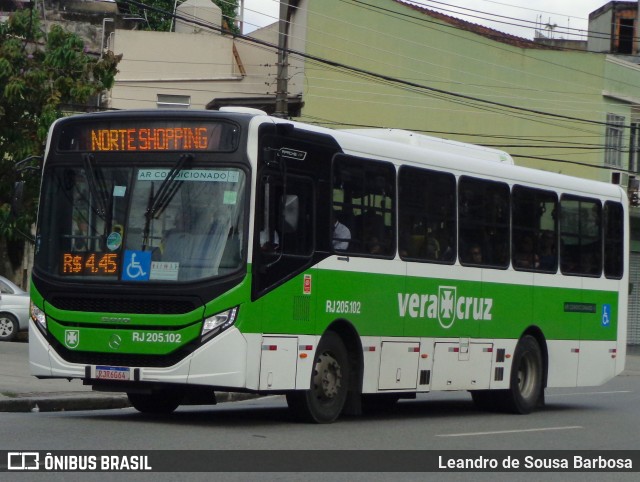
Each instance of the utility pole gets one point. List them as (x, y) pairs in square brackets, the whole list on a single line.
[(283, 60)]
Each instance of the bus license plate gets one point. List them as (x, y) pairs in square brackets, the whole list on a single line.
[(113, 373)]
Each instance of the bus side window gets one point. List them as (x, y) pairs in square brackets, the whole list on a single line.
[(285, 223), (613, 240), (534, 229), (364, 207), (483, 214), (427, 220), (581, 236)]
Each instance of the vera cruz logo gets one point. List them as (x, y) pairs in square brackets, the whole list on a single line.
[(446, 312), (446, 306), (72, 338)]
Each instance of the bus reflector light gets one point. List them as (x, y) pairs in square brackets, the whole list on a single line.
[(305, 347), (575, 350), (424, 355), (269, 347), (303, 355), (369, 348)]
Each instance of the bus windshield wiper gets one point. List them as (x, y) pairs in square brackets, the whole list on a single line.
[(97, 185), (157, 203)]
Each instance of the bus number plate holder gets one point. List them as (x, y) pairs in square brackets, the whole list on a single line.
[(112, 373)]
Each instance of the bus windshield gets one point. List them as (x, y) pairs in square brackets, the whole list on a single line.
[(152, 223)]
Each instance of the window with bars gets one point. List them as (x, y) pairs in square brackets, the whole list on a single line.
[(613, 140)]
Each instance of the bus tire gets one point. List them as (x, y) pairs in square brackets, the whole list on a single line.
[(525, 386), (158, 402), (324, 401)]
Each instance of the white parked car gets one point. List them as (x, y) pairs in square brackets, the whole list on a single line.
[(14, 310)]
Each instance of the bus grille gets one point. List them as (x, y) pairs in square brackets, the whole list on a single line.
[(121, 359), (123, 305)]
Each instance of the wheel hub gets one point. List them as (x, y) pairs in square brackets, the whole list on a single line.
[(328, 376)]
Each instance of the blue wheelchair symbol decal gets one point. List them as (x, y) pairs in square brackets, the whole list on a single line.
[(137, 265), (606, 315)]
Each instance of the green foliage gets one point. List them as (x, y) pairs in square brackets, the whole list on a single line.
[(40, 75), (161, 22)]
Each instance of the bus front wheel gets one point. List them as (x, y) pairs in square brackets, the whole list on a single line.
[(157, 402), (324, 401)]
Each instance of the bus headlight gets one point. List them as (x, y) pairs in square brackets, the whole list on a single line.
[(38, 316), (217, 323)]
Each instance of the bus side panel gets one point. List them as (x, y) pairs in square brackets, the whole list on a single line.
[(564, 356), (228, 353)]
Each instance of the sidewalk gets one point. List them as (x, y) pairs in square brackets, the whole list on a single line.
[(22, 392)]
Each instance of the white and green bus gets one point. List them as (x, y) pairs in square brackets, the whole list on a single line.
[(183, 253)]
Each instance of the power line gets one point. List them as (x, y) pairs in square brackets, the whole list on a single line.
[(453, 96)]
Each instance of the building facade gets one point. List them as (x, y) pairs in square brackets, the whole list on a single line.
[(394, 64)]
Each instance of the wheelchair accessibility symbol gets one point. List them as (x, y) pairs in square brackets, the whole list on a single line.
[(137, 265), (606, 315)]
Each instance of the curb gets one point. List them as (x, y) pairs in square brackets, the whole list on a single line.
[(43, 403)]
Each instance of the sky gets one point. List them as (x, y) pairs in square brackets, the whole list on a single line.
[(568, 16)]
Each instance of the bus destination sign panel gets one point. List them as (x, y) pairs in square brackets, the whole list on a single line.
[(149, 136), (151, 139)]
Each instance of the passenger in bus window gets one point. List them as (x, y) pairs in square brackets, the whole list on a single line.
[(341, 236), (524, 257), (547, 254), (80, 235), (374, 246), (475, 254)]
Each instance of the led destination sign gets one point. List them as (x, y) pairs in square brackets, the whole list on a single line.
[(151, 139), (126, 135)]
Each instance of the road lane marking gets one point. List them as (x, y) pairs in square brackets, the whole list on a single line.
[(573, 394), (499, 432)]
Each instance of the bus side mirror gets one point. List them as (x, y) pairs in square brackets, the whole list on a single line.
[(16, 198)]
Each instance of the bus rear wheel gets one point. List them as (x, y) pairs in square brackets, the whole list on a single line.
[(324, 401), (525, 389), (157, 402)]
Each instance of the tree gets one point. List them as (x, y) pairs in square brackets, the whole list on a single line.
[(160, 18), (42, 74)]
